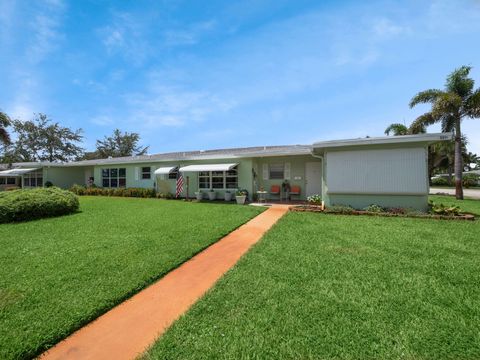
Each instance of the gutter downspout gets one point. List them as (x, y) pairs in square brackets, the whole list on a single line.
[(323, 174)]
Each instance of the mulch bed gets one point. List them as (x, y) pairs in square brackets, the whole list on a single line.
[(315, 208)]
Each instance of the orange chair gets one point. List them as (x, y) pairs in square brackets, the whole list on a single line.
[(275, 190), (295, 190)]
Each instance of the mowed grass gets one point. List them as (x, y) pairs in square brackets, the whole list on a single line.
[(343, 287), (58, 274)]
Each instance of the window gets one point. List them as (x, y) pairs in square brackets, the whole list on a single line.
[(146, 172), (11, 181), (33, 179), (276, 171), (218, 179), (204, 180), (115, 177)]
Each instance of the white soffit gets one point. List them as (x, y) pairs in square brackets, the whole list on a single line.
[(207, 167)]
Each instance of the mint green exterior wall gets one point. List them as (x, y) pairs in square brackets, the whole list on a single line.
[(163, 184), (245, 174), (297, 173), (65, 177)]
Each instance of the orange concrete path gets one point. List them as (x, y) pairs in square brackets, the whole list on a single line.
[(128, 329)]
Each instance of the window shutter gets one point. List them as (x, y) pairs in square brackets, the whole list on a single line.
[(287, 171), (265, 171), (137, 171)]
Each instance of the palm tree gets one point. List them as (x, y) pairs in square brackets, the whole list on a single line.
[(4, 122), (396, 129), (449, 107)]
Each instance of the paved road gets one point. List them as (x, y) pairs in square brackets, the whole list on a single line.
[(471, 193)]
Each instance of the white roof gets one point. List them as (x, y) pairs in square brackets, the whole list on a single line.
[(382, 140), (208, 167), (16, 172), (164, 170)]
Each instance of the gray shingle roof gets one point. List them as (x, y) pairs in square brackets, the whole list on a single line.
[(256, 151)]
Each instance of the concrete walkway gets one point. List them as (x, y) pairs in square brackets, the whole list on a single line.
[(467, 193), (128, 329)]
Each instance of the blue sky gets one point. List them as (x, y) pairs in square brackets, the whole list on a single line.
[(209, 74)]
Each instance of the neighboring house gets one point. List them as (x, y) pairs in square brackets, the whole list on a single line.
[(452, 176), (388, 171)]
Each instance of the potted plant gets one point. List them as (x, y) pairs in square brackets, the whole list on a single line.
[(199, 195), (228, 195), (241, 196), (212, 194)]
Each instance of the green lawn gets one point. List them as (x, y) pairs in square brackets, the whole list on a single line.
[(58, 274), (349, 287)]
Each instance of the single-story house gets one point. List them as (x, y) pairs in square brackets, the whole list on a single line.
[(388, 171)]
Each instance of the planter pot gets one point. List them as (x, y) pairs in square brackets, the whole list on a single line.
[(199, 195), (241, 199), (228, 196), (212, 195)]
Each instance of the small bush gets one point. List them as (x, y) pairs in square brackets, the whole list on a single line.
[(470, 180), (22, 205), (315, 199), (340, 209), (440, 182), (48, 184), (441, 209), (374, 208)]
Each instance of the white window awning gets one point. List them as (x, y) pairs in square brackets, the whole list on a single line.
[(165, 170), (16, 172), (207, 167)]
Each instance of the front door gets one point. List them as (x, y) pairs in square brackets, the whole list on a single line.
[(313, 178)]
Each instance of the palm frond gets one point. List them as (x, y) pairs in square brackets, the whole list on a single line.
[(459, 83), (396, 129), (448, 123), (447, 104), (422, 122), (426, 96), (472, 105)]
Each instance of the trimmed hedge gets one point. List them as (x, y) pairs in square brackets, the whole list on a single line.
[(122, 192), (30, 204)]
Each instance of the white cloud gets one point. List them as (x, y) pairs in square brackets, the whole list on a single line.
[(386, 28), (102, 120), (46, 33), (173, 106)]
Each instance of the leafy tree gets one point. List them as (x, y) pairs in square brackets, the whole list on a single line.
[(4, 123), (118, 145), (470, 159), (41, 139), (449, 107)]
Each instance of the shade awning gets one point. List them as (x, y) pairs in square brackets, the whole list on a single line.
[(207, 167), (165, 170), (16, 172)]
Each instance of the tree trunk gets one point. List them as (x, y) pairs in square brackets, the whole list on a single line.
[(458, 161)]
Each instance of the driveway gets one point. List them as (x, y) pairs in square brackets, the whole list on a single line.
[(470, 193)]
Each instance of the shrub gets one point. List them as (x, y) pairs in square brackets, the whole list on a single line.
[(397, 210), (241, 192), (470, 180), (441, 209), (340, 209), (122, 192), (439, 181), (48, 184), (315, 199), (22, 205), (374, 208)]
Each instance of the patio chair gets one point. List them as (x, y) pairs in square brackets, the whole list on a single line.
[(295, 190), (275, 190)]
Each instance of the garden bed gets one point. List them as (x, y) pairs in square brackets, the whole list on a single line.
[(316, 208)]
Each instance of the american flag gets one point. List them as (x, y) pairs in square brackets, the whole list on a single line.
[(179, 185)]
